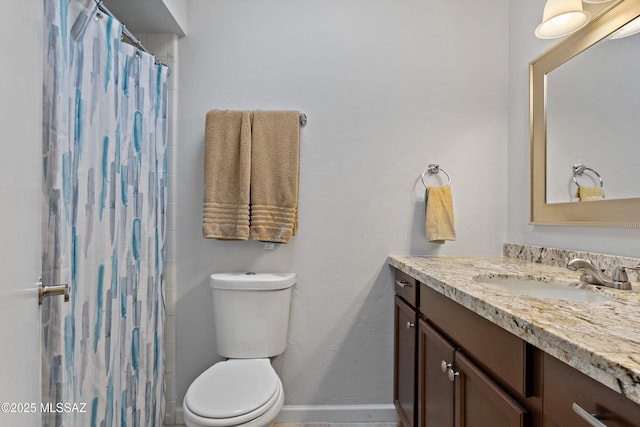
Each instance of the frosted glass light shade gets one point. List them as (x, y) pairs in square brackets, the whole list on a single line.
[(561, 18), (630, 29), (596, 1)]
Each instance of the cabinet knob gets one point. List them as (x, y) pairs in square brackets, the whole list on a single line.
[(445, 366), (403, 284), (410, 325), (452, 374)]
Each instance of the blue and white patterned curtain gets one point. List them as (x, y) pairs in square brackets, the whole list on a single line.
[(105, 176)]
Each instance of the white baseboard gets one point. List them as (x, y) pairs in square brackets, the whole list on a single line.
[(336, 414)]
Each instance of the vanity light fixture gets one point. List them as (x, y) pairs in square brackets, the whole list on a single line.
[(561, 18), (630, 29)]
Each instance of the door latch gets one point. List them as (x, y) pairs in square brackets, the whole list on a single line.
[(49, 291)]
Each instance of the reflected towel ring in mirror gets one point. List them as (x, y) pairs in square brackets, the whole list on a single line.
[(433, 169), (579, 170)]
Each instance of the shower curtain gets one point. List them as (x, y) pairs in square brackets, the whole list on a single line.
[(105, 176)]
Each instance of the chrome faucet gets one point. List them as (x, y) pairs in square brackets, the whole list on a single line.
[(593, 275)]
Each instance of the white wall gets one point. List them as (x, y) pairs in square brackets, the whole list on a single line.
[(21, 43), (389, 87), (523, 48)]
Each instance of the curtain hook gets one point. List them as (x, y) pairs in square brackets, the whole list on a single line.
[(99, 10)]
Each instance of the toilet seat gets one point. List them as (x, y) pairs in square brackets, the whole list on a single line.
[(233, 392)]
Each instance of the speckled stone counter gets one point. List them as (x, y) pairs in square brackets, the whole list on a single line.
[(600, 339)]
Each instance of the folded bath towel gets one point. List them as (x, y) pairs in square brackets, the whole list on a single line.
[(227, 174), (586, 194), (275, 158), (439, 213)]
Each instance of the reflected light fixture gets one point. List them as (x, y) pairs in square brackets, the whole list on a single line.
[(630, 29), (561, 18)]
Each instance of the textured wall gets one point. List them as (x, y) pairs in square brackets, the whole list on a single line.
[(389, 87)]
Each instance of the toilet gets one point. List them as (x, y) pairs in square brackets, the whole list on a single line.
[(251, 319)]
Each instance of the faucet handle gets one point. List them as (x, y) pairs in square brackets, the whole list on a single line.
[(620, 272)]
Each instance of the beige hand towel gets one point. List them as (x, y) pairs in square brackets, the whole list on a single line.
[(275, 158), (227, 173), (586, 194), (439, 213)]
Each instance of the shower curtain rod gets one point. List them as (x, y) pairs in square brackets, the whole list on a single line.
[(136, 42), (125, 30)]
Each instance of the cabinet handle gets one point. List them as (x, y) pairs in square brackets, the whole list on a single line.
[(445, 366), (404, 284), (452, 374), (585, 415)]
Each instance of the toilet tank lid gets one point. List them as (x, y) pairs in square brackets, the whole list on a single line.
[(253, 281)]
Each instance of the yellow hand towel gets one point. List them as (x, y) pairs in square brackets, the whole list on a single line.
[(275, 158), (227, 172), (439, 213), (586, 194)]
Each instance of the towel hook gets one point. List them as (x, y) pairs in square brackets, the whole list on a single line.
[(434, 169), (579, 169)]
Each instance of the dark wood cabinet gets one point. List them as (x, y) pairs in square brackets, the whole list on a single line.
[(453, 391), (436, 338), (482, 403), (454, 368), (405, 355), (435, 390), (502, 355), (404, 393), (564, 386)]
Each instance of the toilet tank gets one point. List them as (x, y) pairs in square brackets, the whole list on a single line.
[(251, 313)]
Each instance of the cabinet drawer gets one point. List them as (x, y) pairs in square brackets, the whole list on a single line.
[(501, 354), (564, 385), (406, 287)]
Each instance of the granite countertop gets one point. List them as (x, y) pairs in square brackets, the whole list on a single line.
[(600, 339)]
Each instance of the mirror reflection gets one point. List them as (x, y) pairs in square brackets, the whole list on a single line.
[(593, 121), (583, 120)]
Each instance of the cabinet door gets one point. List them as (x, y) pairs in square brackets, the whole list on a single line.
[(404, 390), (480, 402), (435, 390)]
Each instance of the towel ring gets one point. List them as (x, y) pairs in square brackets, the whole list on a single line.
[(579, 170), (433, 169)]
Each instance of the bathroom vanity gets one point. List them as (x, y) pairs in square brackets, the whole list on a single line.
[(469, 353)]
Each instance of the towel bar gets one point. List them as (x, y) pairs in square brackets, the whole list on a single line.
[(579, 169), (433, 169)]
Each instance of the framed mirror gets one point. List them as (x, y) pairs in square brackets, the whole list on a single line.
[(585, 126)]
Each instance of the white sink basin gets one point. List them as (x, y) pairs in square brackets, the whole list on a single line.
[(541, 288)]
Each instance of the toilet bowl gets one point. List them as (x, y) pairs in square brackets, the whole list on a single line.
[(251, 319), (245, 392)]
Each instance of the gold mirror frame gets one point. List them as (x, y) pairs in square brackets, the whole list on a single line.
[(611, 213)]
